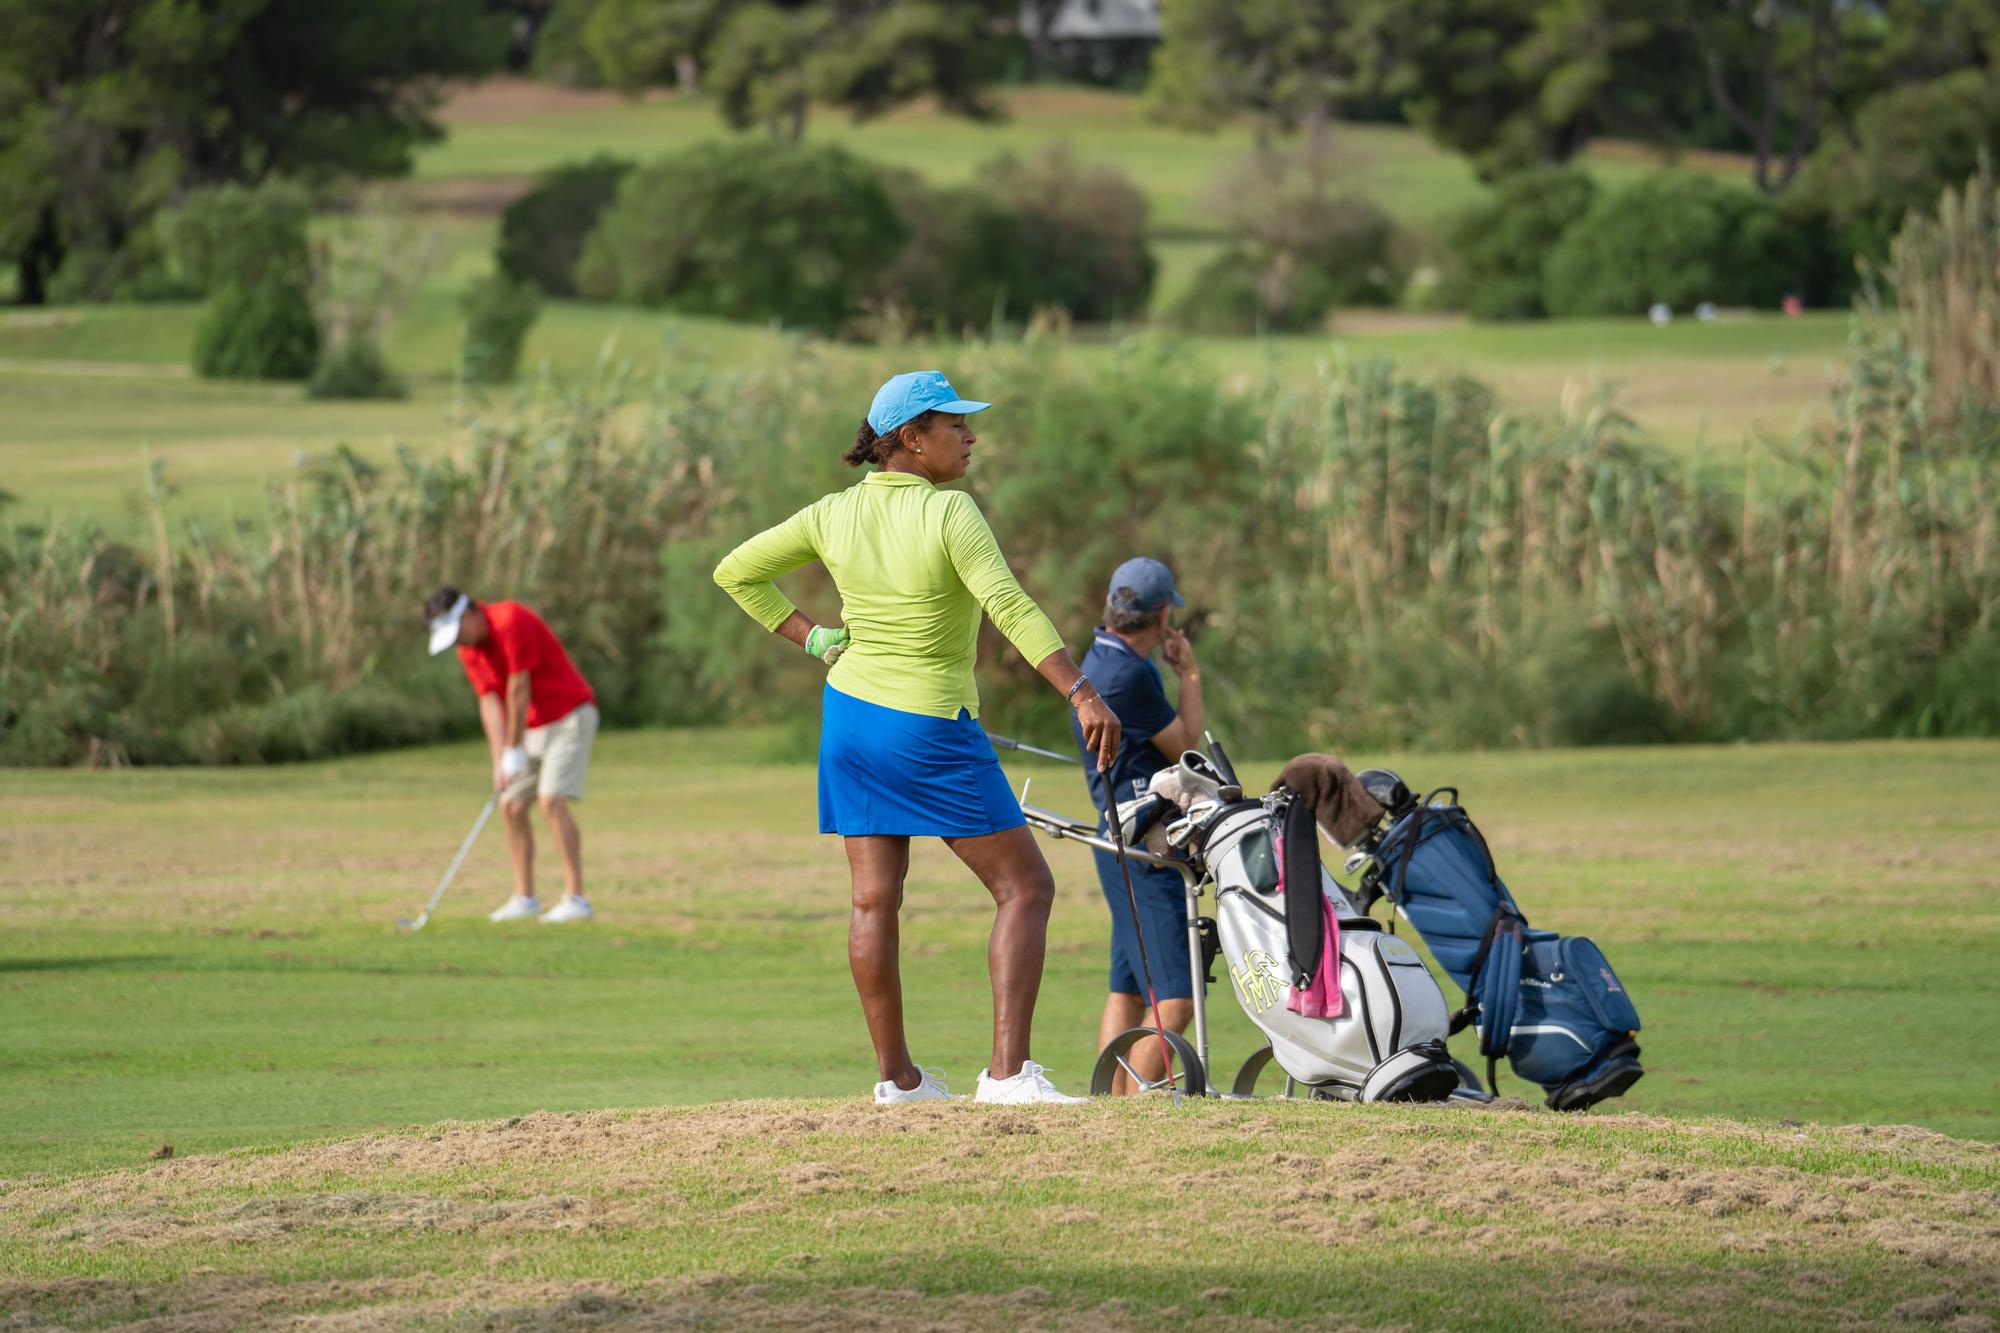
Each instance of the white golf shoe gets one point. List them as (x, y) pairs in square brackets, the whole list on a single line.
[(1030, 1087), (516, 908), (930, 1088), (574, 907)]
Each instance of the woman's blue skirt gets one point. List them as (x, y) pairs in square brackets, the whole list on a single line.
[(884, 771)]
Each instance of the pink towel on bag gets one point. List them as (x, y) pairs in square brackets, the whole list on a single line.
[(1321, 999)]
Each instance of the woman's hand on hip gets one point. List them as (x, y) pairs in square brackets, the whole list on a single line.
[(1101, 731)]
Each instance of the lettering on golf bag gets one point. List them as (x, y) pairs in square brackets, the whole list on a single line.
[(1551, 1005), (1257, 982)]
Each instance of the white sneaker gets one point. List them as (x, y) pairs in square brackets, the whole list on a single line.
[(516, 908), (930, 1088), (1028, 1088), (573, 907)]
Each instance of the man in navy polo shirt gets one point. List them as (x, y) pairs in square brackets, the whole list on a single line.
[(1141, 599)]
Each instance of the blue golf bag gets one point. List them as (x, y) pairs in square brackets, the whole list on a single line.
[(1550, 1004)]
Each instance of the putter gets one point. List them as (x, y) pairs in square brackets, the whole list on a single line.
[(485, 814)]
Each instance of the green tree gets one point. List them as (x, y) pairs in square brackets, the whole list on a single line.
[(1771, 67), (1514, 83), (641, 42), (111, 108), (1904, 148), (1289, 62), (1509, 83), (769, 61)]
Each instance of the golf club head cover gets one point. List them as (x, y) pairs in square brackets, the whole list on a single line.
[(1338, 801)]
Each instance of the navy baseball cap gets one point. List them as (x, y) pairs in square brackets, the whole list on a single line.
[(908, 396), (1143, 584)]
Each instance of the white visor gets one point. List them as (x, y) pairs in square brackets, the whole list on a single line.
[(444, 630)]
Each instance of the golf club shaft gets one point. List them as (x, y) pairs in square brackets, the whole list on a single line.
[(1006, 743), (485, 813), (1112, 821)]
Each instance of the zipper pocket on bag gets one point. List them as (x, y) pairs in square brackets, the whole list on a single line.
[(1584, 964)]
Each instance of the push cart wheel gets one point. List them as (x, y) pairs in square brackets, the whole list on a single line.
[(1116, 1057), (1253, 1070)]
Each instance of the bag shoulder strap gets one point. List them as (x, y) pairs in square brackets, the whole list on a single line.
[(1299, 866)]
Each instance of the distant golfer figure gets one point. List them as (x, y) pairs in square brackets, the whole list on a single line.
[(901, 754), (1141, 599), (540, 718)]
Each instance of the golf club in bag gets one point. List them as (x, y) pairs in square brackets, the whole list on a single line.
[(485, 813), (1550, 1004)]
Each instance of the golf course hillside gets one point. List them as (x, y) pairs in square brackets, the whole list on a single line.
[(791, 1214), (93, 393)]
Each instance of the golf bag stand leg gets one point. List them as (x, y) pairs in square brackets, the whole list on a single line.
[(1198, 972)]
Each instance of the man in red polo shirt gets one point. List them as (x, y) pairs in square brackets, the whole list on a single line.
[(540, 718)]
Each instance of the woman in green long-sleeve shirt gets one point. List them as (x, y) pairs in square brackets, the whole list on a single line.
[(901, 753)]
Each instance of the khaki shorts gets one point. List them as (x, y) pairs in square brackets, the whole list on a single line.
[(558, 757)]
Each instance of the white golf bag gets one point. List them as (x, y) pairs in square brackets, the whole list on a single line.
[(1388, 1042)]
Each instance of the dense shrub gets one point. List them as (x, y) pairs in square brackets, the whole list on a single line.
[(367, 266), (763, 231), (263, 331), (1082, 234), (1680, 238), (543, 232), (1338, 254), (355, 368), (1501, 248), (1238, 292), (1303, 246), (239, 235), (963, 266), (136, 271), (245, 248), (1905, 146), (499, 311)]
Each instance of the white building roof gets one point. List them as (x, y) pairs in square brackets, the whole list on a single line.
[(1096, 20)]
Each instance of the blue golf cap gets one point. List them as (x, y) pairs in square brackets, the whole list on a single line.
[(908, 396), (1143, 584)]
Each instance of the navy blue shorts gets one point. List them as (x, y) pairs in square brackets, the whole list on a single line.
[(1163, 910), (885, 771)]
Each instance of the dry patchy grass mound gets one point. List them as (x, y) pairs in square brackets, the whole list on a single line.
[(825, 1214)]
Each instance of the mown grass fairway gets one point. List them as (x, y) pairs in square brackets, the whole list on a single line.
[(207, 959)]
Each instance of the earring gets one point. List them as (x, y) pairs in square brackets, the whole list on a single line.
[(919, 449)]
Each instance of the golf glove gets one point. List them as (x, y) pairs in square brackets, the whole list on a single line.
[(513, 761), (826, 644)]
